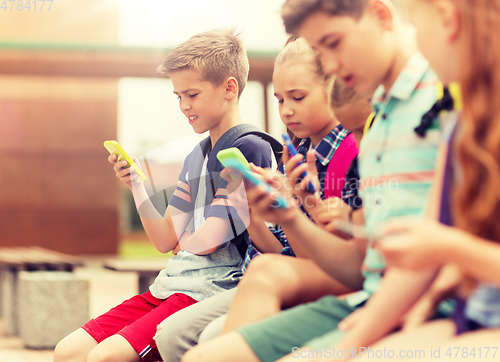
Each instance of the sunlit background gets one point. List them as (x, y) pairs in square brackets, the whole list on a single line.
[(85, 71), (165, 23)]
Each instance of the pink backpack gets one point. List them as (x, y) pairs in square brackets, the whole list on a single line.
[(338, 166)]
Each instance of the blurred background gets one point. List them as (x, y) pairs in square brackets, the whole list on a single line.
[(74, 73)]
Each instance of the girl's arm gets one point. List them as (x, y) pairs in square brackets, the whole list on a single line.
[(261, 236), (475, 256), (422, 244), (341, 259)]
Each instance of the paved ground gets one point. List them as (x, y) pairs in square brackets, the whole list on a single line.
[(107, 289)]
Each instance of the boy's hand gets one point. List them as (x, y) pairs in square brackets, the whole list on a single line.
[(416, 244), (123, 173), (329, 211), (261, 202)]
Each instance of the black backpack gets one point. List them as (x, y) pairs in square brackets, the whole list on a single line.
[(197, 157)]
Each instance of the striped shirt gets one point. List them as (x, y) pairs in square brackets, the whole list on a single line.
[(396, 166), (325, 150)]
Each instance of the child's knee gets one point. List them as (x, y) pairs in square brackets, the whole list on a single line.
[(64, 351), (166, 337), (267, 269), (74, 347), (101, 355)]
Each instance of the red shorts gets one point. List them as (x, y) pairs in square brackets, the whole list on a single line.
[(136, 320)]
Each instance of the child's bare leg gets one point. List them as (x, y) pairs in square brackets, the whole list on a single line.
[(74, 347), (275, 282), (113, 349), (227, 348)]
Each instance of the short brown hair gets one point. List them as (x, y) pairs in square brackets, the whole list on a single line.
[(295, 12), (217, 54)]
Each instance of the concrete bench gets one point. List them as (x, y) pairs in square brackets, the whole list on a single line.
[(147, 270), (52, 304), (13, 260)]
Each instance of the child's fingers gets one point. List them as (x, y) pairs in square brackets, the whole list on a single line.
[(254, 195), (297, 172), (266, 173), (122, 172), (311, 162), (233, 180), (120, 166), (327, 217), (230, 176), (304, 184), (399, 225), (292, 163), (332, 228), (392, 248), (276, 180), (334, 202), (256, 169), (136, 161), (225, 174), (285, 156), (262, 203), (112, 158)]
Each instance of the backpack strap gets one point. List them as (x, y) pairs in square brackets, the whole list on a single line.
[(214, 167), (369, 122), (196, 159), (445, 102), (338, 166), (228, 138)]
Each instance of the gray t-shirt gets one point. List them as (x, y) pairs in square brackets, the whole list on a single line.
[(199, 276)]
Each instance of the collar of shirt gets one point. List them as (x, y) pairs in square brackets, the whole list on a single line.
[(327, 146), (405, 84)]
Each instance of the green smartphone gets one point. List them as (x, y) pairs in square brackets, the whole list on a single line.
[(233, 159), (114, 148), (231, 154)]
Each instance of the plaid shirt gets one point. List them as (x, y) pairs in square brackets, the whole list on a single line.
[(324, 153), (351, 187)]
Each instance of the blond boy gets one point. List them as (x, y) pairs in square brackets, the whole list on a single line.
[(208, 73)]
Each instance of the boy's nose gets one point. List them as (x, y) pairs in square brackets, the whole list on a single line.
[(185, 105), (330, 65)]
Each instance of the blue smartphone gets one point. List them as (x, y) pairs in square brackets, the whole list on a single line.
[(291, 149), (233, 159)]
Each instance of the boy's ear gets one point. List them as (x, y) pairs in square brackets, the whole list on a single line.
[(450, 18), (232, 87), (383, 12)]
